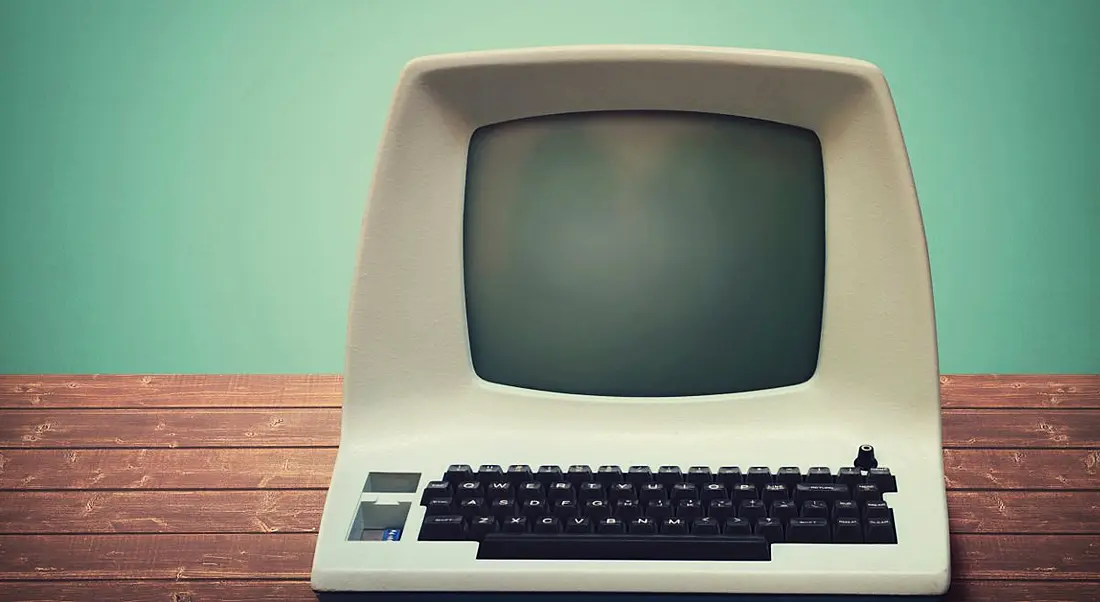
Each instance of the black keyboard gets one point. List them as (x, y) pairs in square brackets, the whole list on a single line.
[(665, 514)]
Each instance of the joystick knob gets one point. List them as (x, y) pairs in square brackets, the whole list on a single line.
[(865, 459)]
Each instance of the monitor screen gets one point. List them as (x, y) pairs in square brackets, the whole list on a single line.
[(644, 253)]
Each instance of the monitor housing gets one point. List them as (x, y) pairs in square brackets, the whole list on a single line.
[(413, 403)]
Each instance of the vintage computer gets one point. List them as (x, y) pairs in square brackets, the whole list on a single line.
[(640, 319)]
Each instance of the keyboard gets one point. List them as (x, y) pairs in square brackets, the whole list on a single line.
[(639, 513)]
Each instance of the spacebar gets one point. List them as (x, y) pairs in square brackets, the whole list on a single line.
[(508, 546)]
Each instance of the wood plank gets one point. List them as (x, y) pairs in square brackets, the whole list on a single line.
[(320, 427), (299, 591), (324, 390), (232, 468), (302, 468), (289, 556), (1021, 428), (1022, 468), (210, 427), (1052, 512), (1020, 391), (271, 511), (169, 390), (281, 511)]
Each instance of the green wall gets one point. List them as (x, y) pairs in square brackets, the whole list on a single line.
[(182, 182)]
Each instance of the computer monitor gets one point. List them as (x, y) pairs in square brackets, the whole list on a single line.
[(580, 262)]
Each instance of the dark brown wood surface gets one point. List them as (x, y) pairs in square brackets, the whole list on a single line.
[(187, 488)]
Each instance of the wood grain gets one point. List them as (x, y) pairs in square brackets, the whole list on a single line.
[(169, 390), (1020, 391), (232, 468), (320, 427), (160, 511), (299, 591), (210, 427), (273, 511), (289, 555), (1022, 468), (309, 468), (324, 390)]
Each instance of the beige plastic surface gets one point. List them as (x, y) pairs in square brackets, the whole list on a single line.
[(412, 402)]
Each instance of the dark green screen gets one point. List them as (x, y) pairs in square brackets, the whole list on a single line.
[(644, 253)]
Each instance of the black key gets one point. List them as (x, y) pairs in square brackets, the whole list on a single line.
[(579, 473), (847, 530), (658, 509), (442, 528), (789, 476), (531, 490), (622, 547), (808, 530), (736, 526), (743, 491), (845, 509), (564, 509), (729, 476), (519, 474), (562, 490), (689, 509), (434, 490), (480, 526), (879, 530), (849, 476), (468, 489), (548, 473), (867, 492), (621, 491), (643, 526), (457, 473), (705, 526), (759, 476), (490, 473), (815, 509), (627, 510), (826, 492), (876, 509), (471, 507), (683, 491), (502, 508), (819, 474), (578, 524), (770, 529), (699, 475), (440, 506), (773, 492), (713, 491), (783, 510), (651, 492), (674, 526), (639, 475), (610, 526), (609, 474), (514, 524), (720, 510), (533, 509), (590, 491), (498, 490), (752, 510), (669, 475), (547, 524), (596, 509), (881, 476)]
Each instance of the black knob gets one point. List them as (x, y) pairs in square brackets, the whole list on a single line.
[(865, 459)]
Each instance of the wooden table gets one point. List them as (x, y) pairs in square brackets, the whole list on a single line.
[(210, 488)]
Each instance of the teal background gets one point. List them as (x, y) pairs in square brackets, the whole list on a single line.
[(182, 182)]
